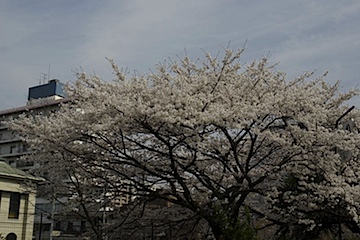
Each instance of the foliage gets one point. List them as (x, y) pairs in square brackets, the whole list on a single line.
[(328, 219), (239, 228), (209, 134)]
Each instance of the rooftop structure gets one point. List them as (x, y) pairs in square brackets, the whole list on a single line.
[(53, 90)]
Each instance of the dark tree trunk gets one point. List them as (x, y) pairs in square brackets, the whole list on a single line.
[(217, 230)]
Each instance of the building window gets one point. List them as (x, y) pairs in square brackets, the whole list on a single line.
[(24, 148), (57, 225), (83, 226), (14, 135), (70, 226), (12, 149), (11, 236), (14, 206)]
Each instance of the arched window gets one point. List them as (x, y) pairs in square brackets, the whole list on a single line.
[(11, 236)]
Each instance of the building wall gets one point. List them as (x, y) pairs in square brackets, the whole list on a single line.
[(23, 225), (11, 147)]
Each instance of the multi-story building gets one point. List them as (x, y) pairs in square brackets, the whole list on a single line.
[(41, 99), (44, 99)]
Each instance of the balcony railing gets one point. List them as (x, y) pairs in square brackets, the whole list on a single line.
[(9, 140), (14, 153)]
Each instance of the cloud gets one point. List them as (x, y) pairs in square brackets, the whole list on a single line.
[(301, 35), (139, 32)]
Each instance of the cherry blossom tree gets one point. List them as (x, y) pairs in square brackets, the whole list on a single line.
[(217, 138)]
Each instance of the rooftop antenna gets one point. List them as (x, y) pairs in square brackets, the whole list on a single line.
[(43, 77), (48, 75)]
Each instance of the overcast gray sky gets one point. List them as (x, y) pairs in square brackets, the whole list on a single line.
[(302, 35)]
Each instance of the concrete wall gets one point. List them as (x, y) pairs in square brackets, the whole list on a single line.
[(23, 225)]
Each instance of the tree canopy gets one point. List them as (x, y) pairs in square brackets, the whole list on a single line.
[(233, 144)]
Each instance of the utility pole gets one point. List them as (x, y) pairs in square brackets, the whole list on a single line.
[(41, 222), (52, 217)]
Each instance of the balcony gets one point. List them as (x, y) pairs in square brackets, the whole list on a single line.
[(24, 164), (10, 140), (16, 153)]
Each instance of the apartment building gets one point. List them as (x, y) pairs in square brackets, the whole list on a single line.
[(44, 99), (41, 99)]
